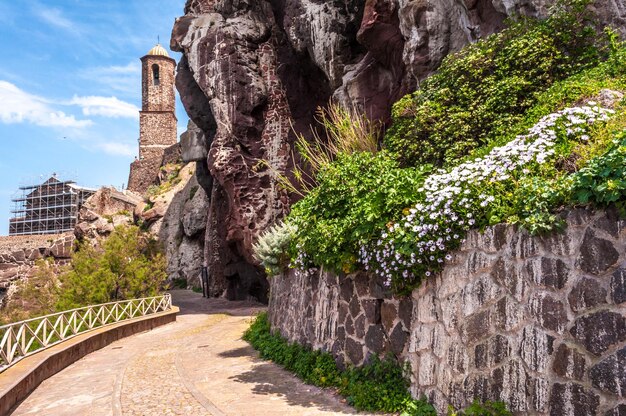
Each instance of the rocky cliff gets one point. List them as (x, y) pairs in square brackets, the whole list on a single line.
[(254, 71)]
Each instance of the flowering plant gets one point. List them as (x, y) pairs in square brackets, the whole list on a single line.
[(452, 202)]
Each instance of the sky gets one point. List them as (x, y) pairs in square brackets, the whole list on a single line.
[(70, 88)]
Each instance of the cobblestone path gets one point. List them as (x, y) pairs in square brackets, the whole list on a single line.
[(198, 366)]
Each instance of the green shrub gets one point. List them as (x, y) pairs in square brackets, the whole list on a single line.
[(272, 247), (357, 195), (603, 180), (380, 385), (480, 92), (128, 265), (479, 409)]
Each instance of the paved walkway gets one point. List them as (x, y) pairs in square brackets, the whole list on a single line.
[(195, 367)]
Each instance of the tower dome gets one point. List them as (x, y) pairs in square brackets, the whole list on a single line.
[(158, 50)]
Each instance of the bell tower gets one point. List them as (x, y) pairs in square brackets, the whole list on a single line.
[(157, 118)]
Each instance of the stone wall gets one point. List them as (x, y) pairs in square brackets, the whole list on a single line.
[(538, 322)]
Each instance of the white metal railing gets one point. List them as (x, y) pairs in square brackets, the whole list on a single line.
[(21, 339)]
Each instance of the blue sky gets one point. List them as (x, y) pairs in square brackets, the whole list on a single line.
[(70, 88)]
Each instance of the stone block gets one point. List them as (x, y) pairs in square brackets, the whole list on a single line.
[(405, 312), (371, 308), (346, 289), (349, 326), (508, 314), (478, 262), (540, 394), (512, 384), (578, 216), (609, 222), (597, 255), (548, 272), (343, 311), (359, 326), (479, 292), (506, 273), (426, 310), (457, 358), (536, 348), (599, 331), (523, 245), (618, 286), (398, 339), (573, 399), (557, 243), (569, 363), (376, 289), (609, 375), (477, 386), (355, 306), (422, 338), (354, 351), (587, 293), (427, 372), (477, 327), (375, 339), (362, 284), (388, 314), (492, 352), (548, 311)]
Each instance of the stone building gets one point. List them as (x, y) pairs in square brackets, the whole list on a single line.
[(157, 118)]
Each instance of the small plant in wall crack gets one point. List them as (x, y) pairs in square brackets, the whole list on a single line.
[(271, 248)]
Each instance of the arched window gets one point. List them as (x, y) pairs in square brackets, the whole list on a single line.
[(155, 75)]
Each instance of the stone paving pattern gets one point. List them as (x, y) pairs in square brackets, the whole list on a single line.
[(198, 366), (539, 322)]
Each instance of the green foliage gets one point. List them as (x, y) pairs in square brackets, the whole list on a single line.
[(380, 385), (128, 265), (480, 92), (170, 177), (603, 180), (357, 195), (418, 408), (489, 408), (345, 132), (272, 247)]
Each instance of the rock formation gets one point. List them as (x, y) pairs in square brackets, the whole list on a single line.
[(254, 70), (18, 255)]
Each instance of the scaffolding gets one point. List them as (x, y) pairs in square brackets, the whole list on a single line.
[(49, 208)]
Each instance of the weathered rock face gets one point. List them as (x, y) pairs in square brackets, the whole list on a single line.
[(18, 255), (252, 70), (539, 323), (103, 211)]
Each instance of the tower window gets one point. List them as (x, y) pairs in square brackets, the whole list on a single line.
[(155, 75)]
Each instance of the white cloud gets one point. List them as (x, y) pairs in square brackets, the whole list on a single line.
[(17, 106), (105, 107), (122, 78), (54, 17), (117, 149)]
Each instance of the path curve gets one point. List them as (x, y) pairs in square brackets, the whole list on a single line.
[(197, 366)]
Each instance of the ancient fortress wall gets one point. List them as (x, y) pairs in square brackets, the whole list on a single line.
[(538, 322)]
